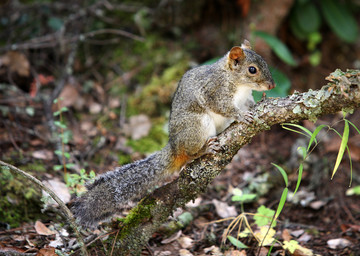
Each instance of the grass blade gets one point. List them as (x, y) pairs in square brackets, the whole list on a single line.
[(307, 132), (343, 146), (282, 202), (283, 173), (301, 167), (314, 134)]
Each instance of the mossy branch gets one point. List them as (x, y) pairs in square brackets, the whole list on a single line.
[(342, 93)]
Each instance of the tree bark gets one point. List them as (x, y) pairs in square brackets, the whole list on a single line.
[(341, 93)]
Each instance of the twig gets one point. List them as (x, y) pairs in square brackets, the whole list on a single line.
[(62, 205)]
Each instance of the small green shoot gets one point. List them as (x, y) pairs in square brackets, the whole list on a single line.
[(76, 181)]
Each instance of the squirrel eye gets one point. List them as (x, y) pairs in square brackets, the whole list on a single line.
[(252, 70)]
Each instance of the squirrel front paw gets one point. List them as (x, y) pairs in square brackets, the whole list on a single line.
[(246, 117)]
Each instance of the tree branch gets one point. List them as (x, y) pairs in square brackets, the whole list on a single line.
[(342, 93)]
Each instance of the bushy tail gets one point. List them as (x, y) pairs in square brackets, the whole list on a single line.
[(115, 190)]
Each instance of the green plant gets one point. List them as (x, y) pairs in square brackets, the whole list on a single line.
[(353, 191), (265, 218), (307, 17), (312, 140), (76, 181), (65, 136)]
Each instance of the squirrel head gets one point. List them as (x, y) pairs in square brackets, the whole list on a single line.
[(249, 68)]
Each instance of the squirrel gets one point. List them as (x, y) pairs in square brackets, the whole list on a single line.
[(207, 100)]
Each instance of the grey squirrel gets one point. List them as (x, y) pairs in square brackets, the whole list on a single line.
[(207, 100)]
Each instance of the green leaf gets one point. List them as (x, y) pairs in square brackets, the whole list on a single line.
[(58, 167), (353, 125), (315, 58), (340, 20), (282, 202), (236, 242), (301, 167), (283, 173), (264, 216), (237, 192), (185, 218), (55, 23), (243, 198), (343, 145), (353, 191), (314, 134), (58, 152), (307, 17), (279, 48), (291, 245), (60, 124), (70, 165), (30, 111), (92, 174)]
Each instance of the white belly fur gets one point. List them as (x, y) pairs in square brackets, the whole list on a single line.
[(220, 122)]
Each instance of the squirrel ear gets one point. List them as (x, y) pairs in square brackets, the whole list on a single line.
[(246, 45), (236, 53)]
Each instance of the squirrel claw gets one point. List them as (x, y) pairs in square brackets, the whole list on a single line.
[(246, 118), (213, 145)]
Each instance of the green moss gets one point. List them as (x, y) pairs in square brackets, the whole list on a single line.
[(155, 98), (37, 167), (155, 141), (19, 199), (136, 216), (123, 158)]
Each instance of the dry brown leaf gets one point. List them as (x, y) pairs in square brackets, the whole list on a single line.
[(16, 62), (224, 210), (47, 252), (286, 235), (185, 242), (69, 96), (43, 154), (41, 229), (172, 238)]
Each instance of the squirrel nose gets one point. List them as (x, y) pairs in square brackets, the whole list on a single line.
[(271, 85)]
